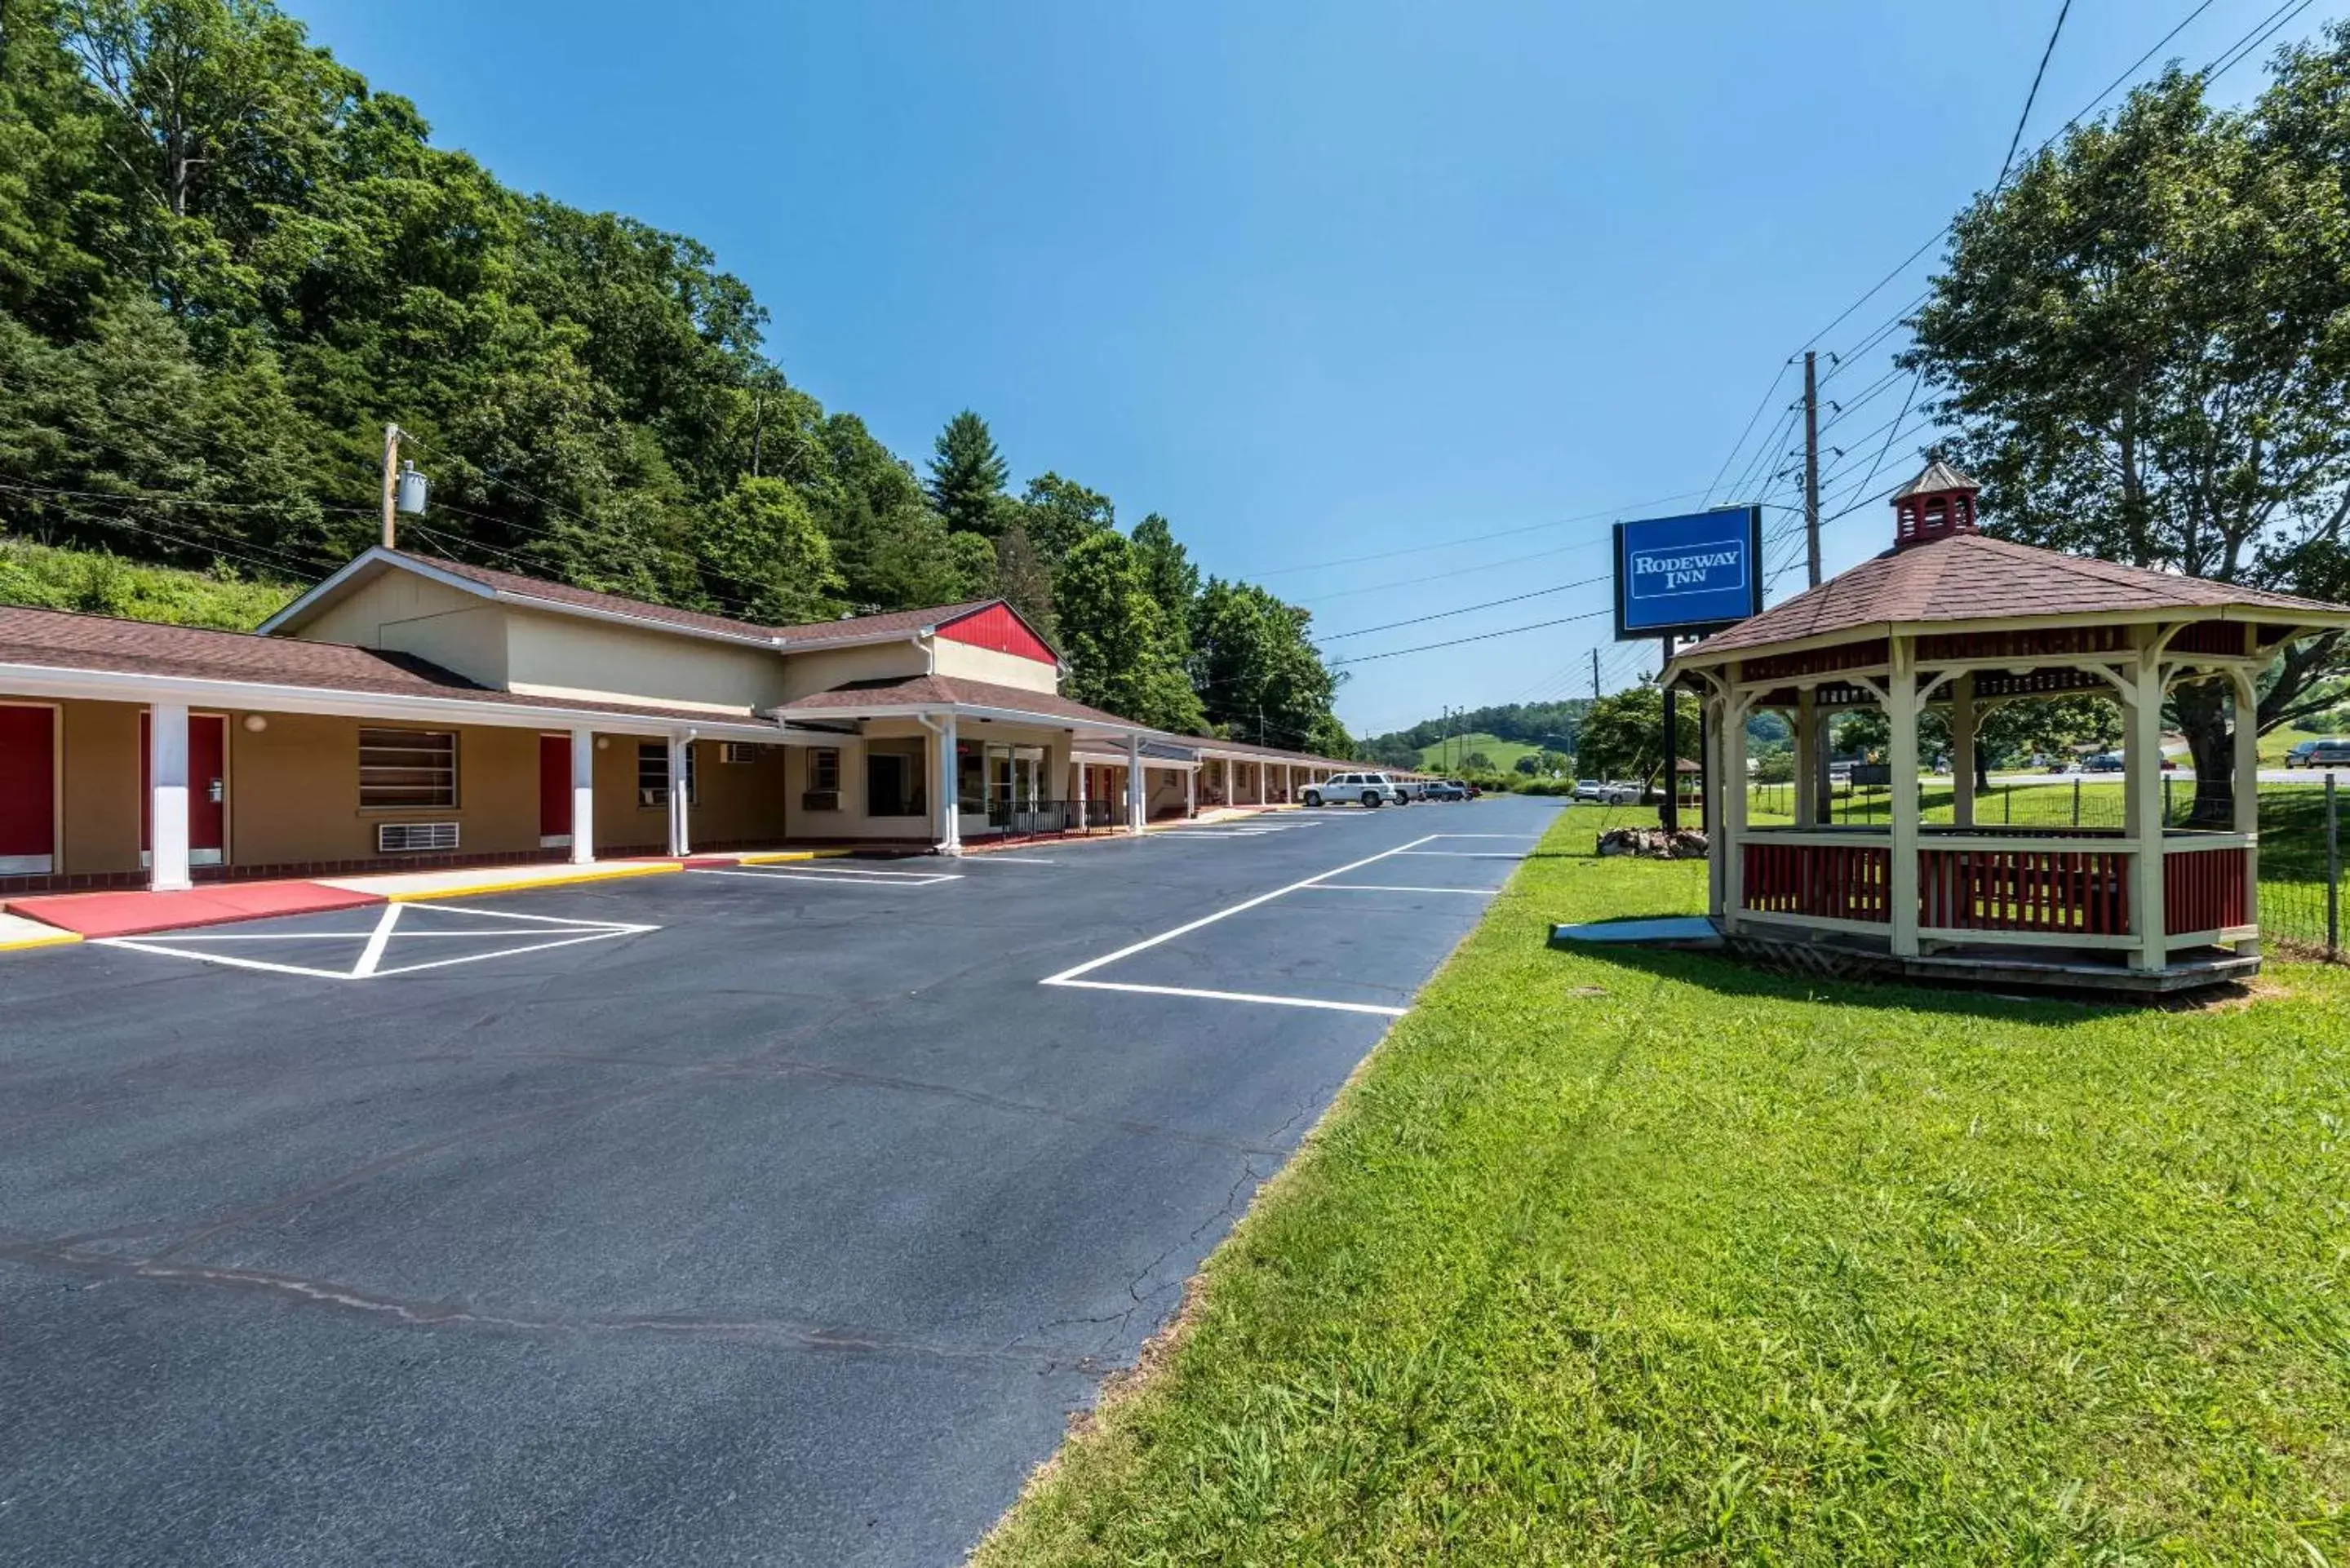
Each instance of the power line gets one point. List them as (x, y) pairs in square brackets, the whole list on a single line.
[(2032, 97), (1466, 609), (1742, 434), (1469, 539), (1481, 637)]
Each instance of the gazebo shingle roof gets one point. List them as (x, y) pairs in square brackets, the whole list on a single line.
[(1973, 577)]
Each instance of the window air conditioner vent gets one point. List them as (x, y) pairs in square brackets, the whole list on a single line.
[(820, 800), (409, 837)]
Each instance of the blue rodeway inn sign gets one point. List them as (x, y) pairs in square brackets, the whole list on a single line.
[(1679, 576)]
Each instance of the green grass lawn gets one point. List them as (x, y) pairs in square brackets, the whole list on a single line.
[(1619, 1258), (1503, 754)]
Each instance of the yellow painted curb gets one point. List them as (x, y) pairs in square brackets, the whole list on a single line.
[(779, 856), (55, 940), (419, 895)]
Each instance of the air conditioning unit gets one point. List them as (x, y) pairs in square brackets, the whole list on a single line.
[(412, 838), (820, 800)]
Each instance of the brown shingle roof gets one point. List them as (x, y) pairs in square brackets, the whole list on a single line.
[(938, 691), (813, 633), (57, 640), (1973, 577)]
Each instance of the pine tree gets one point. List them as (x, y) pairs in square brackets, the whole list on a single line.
[(967, 475)]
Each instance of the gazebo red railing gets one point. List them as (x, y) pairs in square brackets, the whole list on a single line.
[(1820, 882)]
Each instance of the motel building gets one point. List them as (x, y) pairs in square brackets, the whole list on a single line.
[(411, 713)]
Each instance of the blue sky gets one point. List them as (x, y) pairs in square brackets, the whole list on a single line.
[(1392, 307)]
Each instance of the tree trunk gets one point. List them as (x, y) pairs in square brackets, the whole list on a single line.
[(2202, 710)]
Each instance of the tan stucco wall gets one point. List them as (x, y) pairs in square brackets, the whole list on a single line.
[(999, 668), (854, 818), (294, 791), (815, 671), (736, 802), (400, 610), (100, 799), (558, 655)]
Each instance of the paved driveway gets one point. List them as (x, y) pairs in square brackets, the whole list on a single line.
[(750, 1217)]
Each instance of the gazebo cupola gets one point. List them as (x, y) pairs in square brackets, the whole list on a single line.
[(1936, 504)]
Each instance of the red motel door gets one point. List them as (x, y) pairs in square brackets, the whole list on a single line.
[(553, 787), (207, 786), (29, 790)]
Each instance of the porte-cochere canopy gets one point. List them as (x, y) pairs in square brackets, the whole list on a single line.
[(1951, 618)]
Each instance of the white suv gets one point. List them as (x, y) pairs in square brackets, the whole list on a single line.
[(1371, 789)]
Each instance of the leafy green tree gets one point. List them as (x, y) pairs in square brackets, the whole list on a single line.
[(968, 475), (767, 558), (1528, 765), (1055, 514), (1114, 640), (1478, 762), (1624, 734), (2138, 339), (1174, 580), (1258, 674)]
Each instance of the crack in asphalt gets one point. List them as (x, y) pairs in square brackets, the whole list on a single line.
[(354, 1299)]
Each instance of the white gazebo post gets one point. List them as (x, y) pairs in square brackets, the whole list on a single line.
[(949, 786), (1901, 714), (2247, 711), (681, 821), (1807, 770), (2142, 800), (1709, 804), (1962, 751), (1134, 801), (166, 797), (583, 795), (1729, 830)]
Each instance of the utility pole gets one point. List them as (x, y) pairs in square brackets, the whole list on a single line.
[(759, 427), (1823, 723), (1670, 817), (1594, 675), (390, 481)]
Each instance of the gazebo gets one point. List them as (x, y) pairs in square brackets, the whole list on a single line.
[(1951, 618)]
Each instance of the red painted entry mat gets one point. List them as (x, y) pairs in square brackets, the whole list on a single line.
[(128, 913)]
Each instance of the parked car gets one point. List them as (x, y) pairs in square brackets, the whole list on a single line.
[(1366, 789), (1607, 792), (2299, 756), (1445, 789), (2103, 762), (1588, 789), (2330, 754)]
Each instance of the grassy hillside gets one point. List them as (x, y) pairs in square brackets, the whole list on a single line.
[(95, 583), (1503, 753)]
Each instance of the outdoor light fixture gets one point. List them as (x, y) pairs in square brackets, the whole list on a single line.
[(256, 722)]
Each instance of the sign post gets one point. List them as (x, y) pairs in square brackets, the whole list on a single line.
[(1685, 576)]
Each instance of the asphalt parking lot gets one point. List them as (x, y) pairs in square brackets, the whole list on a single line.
[(778, 1215)]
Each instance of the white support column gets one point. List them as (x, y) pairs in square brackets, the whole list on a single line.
[(166, 797), (1190, 793), (2142, 804), (582, 796), (1081, 771), (950, 802), (1901, 713), (1963, 723), (1135, 807), (1288, 784), (680, 818), (2247, 710), (1807, 741)]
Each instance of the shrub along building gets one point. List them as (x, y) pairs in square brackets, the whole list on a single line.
[(409, 710), (1951, 617)]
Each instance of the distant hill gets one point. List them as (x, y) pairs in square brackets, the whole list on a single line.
[(1452, 756), (1503, 733)]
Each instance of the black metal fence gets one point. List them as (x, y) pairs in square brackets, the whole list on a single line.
[(1037, 819)]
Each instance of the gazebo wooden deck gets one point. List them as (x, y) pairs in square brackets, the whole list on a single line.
[(1953, 619)]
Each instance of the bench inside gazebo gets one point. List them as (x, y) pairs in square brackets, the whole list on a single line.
[(1951, 618)]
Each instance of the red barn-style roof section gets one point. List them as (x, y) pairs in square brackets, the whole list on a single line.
[(998, 626)]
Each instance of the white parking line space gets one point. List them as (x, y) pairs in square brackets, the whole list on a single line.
[(1081, 976), (413, 936), (843, 876)]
